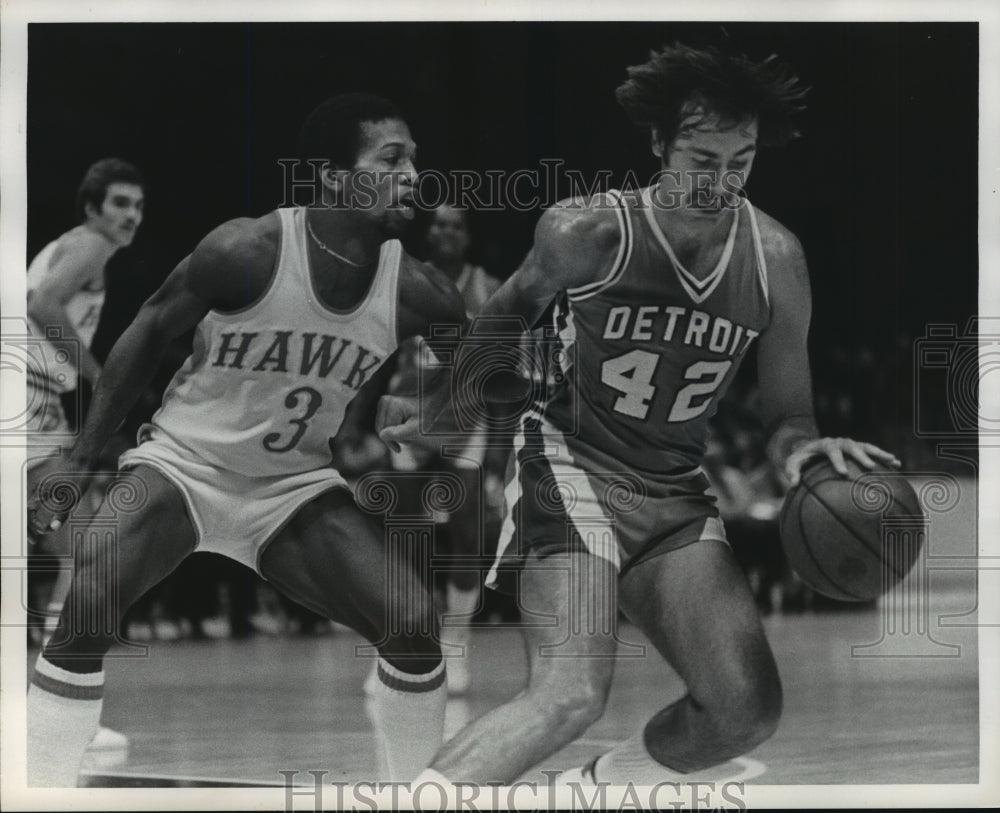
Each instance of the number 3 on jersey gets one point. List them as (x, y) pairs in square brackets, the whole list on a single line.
[(632, 374), (308, 401)]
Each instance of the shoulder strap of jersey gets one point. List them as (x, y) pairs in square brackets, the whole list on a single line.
[(387, 281), (758, 247), (292, 247), (622, 258)]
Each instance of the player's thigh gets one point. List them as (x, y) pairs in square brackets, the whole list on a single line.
[(140, 536), (696, 607), (568, 614), (333, 558)]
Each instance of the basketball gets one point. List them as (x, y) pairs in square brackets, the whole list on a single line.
[(851, 540)]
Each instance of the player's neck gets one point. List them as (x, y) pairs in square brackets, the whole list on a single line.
[(689, 233), (343, 233)]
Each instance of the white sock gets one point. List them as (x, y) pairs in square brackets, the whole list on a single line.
[(408, 717), (52, 610), (64, 711), (461, 604), (455, 635), (455, 629)]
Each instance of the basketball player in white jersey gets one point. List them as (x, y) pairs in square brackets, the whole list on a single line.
[(657, 296), (294, 312), (448, 242), (66, 288)]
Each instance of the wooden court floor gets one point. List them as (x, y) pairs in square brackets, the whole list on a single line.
[(238, 712)]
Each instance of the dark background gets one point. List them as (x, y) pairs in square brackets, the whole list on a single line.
[(881, 188)]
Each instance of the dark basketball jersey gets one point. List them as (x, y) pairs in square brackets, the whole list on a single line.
[(650, 349)]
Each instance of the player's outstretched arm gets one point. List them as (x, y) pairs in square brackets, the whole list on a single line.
[(204, 280), (785, 378), (431, 307)]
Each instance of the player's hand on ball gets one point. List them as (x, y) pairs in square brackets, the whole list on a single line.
[(397, 420), (866, 454)]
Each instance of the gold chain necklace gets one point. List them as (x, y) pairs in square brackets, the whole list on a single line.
[(330, 251)]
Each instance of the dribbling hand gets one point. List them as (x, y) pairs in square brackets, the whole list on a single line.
[(867, 455)]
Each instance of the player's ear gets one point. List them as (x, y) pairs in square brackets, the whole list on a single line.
[(90, 211), (333, 177), (656, 142)]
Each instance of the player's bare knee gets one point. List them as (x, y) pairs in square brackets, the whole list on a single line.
[(750, 713), (572, 704)]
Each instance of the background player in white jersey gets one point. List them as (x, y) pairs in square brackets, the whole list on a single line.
[(66, 289), (448, 241), (293, 311), (656, 299)]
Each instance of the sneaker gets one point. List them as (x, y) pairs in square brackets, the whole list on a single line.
[(107, 750), (107, 739)]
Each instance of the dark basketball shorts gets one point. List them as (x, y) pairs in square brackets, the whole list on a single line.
[(563, 496)]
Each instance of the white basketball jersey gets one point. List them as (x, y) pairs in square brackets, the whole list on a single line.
[(265, 389), (83, 310)]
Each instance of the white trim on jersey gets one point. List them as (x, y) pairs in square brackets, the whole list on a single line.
[(758, 246), (511, 494), (621, 260), (580, 496), (567, 335), (582, 504), (390, 258), (698, 289)]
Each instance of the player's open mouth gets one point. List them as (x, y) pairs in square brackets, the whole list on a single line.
[(407, 207)]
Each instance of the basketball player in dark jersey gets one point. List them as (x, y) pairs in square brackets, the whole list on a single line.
[(656, 297), (294, 312)]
